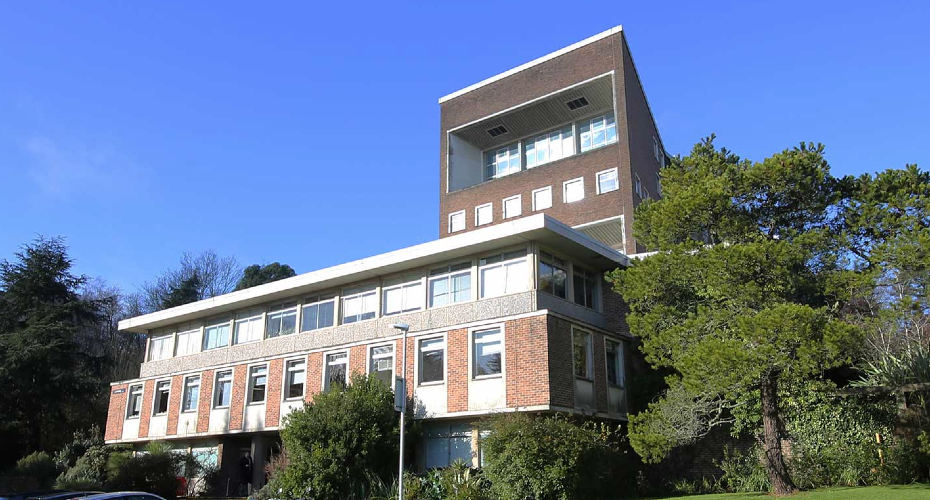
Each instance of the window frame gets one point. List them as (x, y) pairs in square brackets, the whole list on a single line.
[(596, 294), (371, 357), (166, 349), (193, 333), (589, 122), (136, 390), (548, 258), (359, 292), (519, 200), (547, 137), (249, 317), (452, 216), (658, 184), (282, 310), (589, 354), (536, 207), (473, 334), (326, 364), (285, 391), (504, 263), (218, 324), (316, 300), (185, 391), (218, 377), (597, 180), (620, 347), (256, 371), (447, 275), (419, 360), (637, 185), (167, 395), (565, 190), (402, 283), (490, 207), (494, 152)]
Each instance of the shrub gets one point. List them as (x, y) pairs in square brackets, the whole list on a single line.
[(345, 434), (38, 465), (90, 470), (743, 473), (551, 458), (80, 442), (152, 472)]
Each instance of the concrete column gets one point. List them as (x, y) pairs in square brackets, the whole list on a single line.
[(259, 459)]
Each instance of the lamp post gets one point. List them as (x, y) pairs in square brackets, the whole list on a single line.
[(403, 327)]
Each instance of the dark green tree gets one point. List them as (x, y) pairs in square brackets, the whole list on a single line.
[(185, 292), (740, 298), (47, 379), (255, 274)]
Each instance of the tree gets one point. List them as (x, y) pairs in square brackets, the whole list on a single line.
[(199, 277), (48, 379), (345, 436), (741, 298), (255, 274)]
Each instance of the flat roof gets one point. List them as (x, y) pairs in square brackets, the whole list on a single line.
[(539, 227), (534, 62)]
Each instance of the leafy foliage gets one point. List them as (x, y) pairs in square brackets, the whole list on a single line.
[(345, 434), (550, 458), (90, 470), (39, 465), (255, 274), (155, 471)]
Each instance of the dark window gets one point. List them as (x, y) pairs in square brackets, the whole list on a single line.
[(496, 131), (585, 285), (258, 379), (552, 274), (577, 103), (162, 389), (296, 377), (432, 360)]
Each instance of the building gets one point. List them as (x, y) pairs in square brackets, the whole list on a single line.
[(514, 316), (569, 134)]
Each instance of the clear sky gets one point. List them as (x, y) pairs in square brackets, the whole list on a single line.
[(308, 132)]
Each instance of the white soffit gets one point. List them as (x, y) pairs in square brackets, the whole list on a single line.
[(534, 62)]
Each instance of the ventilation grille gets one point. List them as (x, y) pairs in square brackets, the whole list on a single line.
[(496, 131), (577, 103)]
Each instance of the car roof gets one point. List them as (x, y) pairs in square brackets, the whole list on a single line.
[(119, 494), (64, 495)]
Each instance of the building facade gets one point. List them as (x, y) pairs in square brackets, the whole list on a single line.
[(509, 314)]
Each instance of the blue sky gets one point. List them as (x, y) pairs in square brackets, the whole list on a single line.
[(308, 132)]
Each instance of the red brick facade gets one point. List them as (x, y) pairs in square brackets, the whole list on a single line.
[(275, 383), (174, 404), (314, 375), (237, 402), (457, 370), (206, 400), (561, 373), (525, 358), (148, 394), (116, 413)]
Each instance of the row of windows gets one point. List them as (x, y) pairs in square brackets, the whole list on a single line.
[(497, 274), (486, 362), (572, 191), (550, 146)]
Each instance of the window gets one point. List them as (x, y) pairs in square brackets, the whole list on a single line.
[(248, 327), (658, 184), (450, 284), (513, 206), (186, 342), (432, 360), (359, 304), (542, 198), (281, 320), (191, 395), (582, 350), (446, 444), (637, 186), (585, 287), (258, 379), (402, 295), (216, 336), (598, 131), (548, 147), (646, 195), (484, 214), (607, 181), (381, 363), (501, 162), (615, 363), (160, 347), (223, 389), (552, 274), (336, 365), (502, 274), (573, 190), (295, 378), (457, 221), (656, 150), (162, 391), (486, 352), (318, 312), (134, 405)]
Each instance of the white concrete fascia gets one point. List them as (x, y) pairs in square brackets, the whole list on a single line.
[(372, 267), (534, 62)]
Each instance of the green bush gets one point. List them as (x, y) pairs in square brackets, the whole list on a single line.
[(151, 472), (345, 434), (743, 472), (38, 465), (90, 470), (551, 458), (80, 443)]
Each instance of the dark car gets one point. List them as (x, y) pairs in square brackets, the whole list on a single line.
[(64, 495), (30, 494), (124, 495)]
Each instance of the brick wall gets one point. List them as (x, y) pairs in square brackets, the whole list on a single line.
[(174, 404), (116, 412), (457, 370), (526, 359), (600, 373), (314, 375), (148, 393), (357, 359), (273, 396), (206, 400), (561, 374), (615, 309), (237, 402)]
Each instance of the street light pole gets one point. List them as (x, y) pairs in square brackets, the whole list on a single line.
[(403, 327)]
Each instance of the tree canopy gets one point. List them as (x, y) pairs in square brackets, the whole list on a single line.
[(255, 274)]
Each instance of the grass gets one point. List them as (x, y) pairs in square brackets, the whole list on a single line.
[(895, 492)]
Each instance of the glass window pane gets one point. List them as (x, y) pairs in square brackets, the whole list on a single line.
[(432, 353), (310, 317), (487, 353), (581, 353), (439, 292)]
